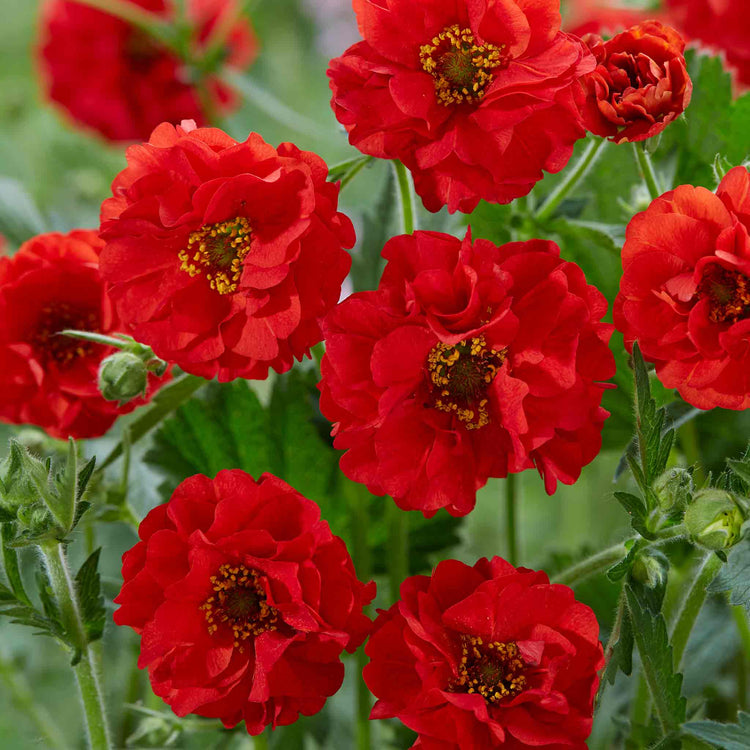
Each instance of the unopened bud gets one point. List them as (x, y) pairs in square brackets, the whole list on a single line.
[(673, 489), (714, 519), (650, 569), (122, 376)]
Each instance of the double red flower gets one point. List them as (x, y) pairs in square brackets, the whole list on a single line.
[(221, 255), (475, 98), (488, 656), (46, 379), (685, 291), (113, 77), (470, 361), (244, 601), (640, 83)]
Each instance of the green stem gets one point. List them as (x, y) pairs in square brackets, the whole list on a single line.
[(743, 628), (600, 561), (363, 563), (691, 606), (571, 179), (27, 702), (92, 697), (405, 189), (398, 547), (511, 498), (354, 171), (688, 436), (118, 342), (646, 169)]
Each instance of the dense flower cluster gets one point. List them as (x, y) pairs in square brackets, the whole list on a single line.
[(640, 83), (489, 656), (221, 255), (476, 99), (114, 77), (685, 291), (46, 379), (469, 361), (244, 601)]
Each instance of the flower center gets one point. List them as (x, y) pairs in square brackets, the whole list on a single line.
[(56, 317), (218, 250), (494, 670), (462, 69), (459, 377), (728, 292), (239, 602)]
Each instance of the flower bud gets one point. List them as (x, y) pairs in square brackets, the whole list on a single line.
[(122, 376), (673, 489), (714, 519), (650, 569)]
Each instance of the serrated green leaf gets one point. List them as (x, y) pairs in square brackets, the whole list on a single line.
[(665, 685), (741, 469), (619, 657), (726, 736), (19, 217), (735, 576), (66, 489), (10, 564), (91, 601)]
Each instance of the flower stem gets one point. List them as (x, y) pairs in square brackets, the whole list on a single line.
[(92, 697), (688, 437), (360, 520), (743, 628), (571, 179), (398, 547), (646, 168), (691, 606), (600, 561), (118, 342), (405, 189), (511, 497)]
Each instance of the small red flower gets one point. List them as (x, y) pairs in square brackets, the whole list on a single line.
[(48, 380), (603, 16), (221, 255), (470, 361), (721, 24), (475, 98), (489, 656), (244, 601), (640, 83), (685, 291), (118, 80)]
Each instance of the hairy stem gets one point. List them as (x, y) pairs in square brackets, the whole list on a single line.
[(571, 179), (646, 169), (66, 596), (688, 437), (743, 628), (405, 190)]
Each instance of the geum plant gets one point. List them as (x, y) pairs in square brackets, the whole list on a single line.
[(460, 357)]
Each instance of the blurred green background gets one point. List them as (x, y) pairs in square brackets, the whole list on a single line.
[(66, 173)]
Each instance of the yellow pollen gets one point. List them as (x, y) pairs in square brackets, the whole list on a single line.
[(728, 292), (459, 377), (239, 603), (494, 670), (218, 251), (462, 69)]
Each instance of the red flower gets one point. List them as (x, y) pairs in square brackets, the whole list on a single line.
[(53, 283), (470, 361), (476, 98), (488, 656), (118, 80), (640, 83), (722, 24), (222, 255), (603, 16), (244, 601), (685, 291)]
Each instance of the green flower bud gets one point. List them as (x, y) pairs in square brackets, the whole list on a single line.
[(714, 519), (650, 569), (673, 489), (122, 376)]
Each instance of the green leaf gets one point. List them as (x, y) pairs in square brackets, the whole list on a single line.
[(19, 217), (619, 656), (165, 401), (726, 736), (735, 576), (10, 563), (665, 685), (88, 586), (66, 488)]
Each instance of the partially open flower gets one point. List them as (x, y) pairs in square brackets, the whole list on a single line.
[(714, 519), (640, 83)]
